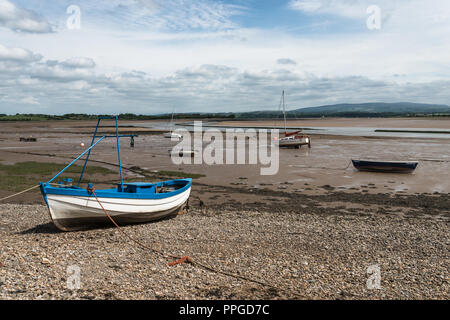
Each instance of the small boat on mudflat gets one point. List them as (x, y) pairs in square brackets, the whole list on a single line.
[(291, 139), (72, 207), (182, 153), (294, 141), (172, 135), (385, 166)]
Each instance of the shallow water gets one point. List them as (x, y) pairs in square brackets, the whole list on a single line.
[(340, 131)]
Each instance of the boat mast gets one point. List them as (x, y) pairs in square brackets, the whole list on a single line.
[(118, 151), (284, 113), (117, 136), (171, 121)]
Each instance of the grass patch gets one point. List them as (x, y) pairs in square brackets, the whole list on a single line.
[(21, 175), (43, 168)]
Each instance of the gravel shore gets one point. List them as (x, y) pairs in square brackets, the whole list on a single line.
[(300, 255)]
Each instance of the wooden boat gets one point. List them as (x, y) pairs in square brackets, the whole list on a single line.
[(385, 166), (292, 139), (72, 207)]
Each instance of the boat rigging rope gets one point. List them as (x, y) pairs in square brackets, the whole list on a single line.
[(26, 190), (302, 167), (19, 193), (186, 259)]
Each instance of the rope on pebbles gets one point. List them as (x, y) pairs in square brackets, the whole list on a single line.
[(179, 260)]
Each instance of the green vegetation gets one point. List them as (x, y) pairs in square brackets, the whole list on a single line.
[(362, 110), (126, 116), (24, 117), (21, 175), (43, 168)]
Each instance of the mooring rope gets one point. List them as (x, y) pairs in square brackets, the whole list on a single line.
[(186, 259), (26, 190), (178, 259), (19, 193), (327, 168), (92, 190)]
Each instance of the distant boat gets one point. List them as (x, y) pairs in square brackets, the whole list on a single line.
[(171, 134), (385, 166), (183, 153), (72, 207), (292, 139)]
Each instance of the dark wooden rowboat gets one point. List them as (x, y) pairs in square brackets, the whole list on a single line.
[(385, 166)]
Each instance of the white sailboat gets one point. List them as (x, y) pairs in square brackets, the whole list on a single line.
[(171, 134), (292, 139)]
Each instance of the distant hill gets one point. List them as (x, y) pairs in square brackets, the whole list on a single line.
[(373, 109), (401, 109)]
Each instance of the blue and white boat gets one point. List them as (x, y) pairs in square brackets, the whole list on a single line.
[(72, 207)]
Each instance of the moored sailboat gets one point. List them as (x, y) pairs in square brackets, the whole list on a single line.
[(292, 139), (171, 134)]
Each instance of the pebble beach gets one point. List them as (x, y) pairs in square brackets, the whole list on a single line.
[(295, 255)]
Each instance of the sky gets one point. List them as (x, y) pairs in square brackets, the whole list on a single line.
[(156, 56)]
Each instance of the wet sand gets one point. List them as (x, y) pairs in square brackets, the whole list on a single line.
[(324, 167)]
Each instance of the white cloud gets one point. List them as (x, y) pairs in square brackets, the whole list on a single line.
[(345, 8), (286, 61), (18, 54), (306, 5), (30, 100), (405, 13), (204, 88), (59, 72), (173, 15), (79, 62), (22, 20), (155, 60)]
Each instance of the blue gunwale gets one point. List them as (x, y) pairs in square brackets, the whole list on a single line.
[(114, 193)]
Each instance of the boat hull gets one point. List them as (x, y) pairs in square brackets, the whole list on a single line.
[(182, 153), (171, 135), (294, 142), (74, 208), (385, 166)]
